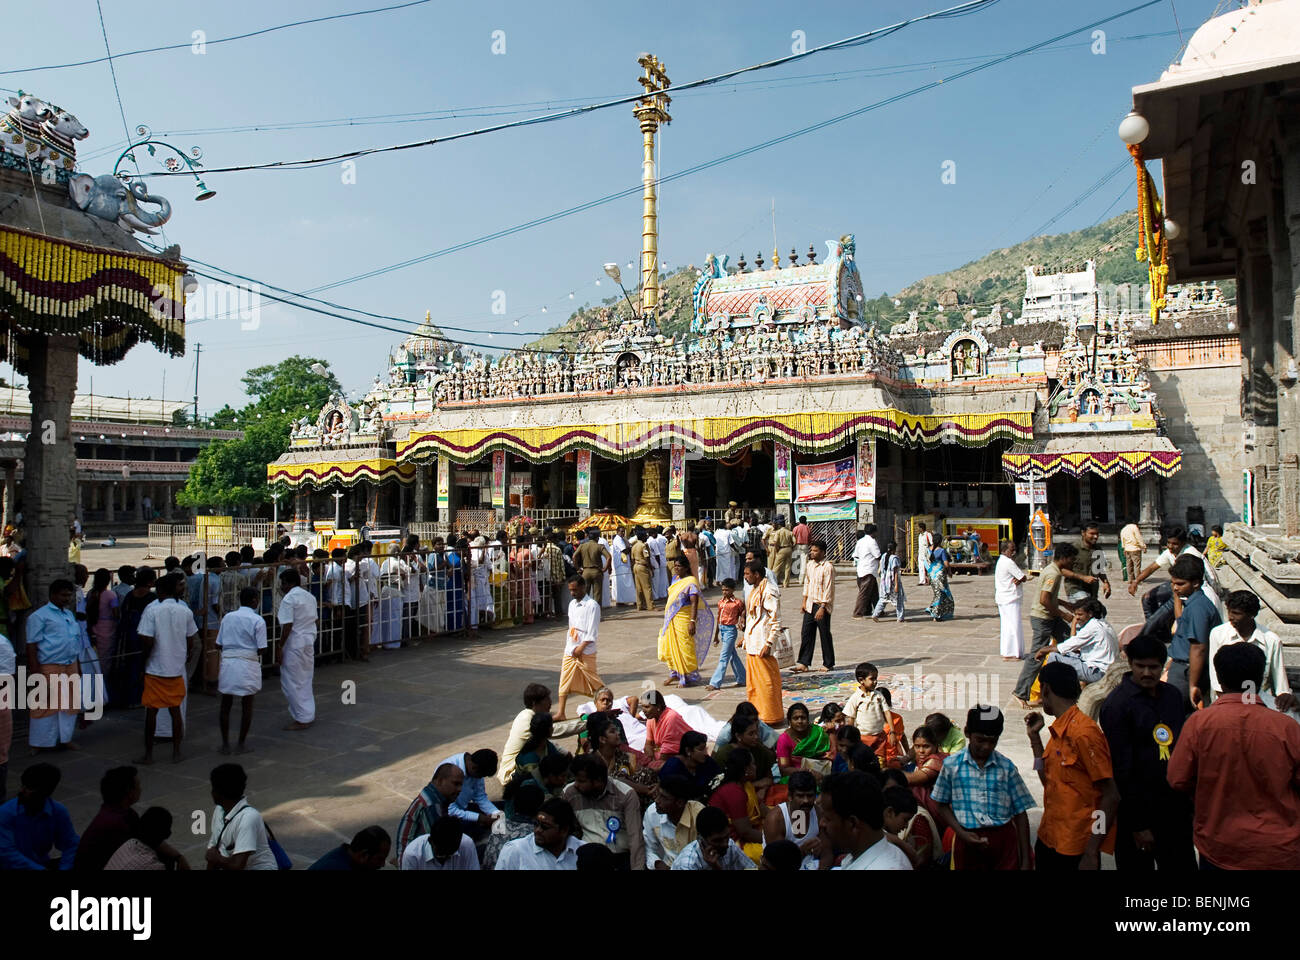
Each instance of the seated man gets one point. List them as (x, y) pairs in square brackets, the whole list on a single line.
[(446, 847), (432, 804), (669, 823), (472, 806), (32, 824), (116, 822), (608, 810), (537, 699), (367, 851), (1092, 646), (713, 848)]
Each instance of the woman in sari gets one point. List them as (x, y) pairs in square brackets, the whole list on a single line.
[(688, 627), (804, 745), (739, 801), (942, 607)]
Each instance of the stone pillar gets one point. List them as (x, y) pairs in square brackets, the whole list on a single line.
[(49, 469), (110, 504), (634, 468), (555, 481), (9, 493), (421, 491), (1148, 519), (1286, 269), (722, 474)]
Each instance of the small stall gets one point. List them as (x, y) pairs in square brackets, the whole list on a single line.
[(972, 543)]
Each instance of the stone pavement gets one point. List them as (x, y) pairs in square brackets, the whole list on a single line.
[(362, 763)]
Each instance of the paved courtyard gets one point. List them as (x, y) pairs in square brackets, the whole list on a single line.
[(362, 762)]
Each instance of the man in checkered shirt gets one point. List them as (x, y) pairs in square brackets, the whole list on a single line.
[(980, 796)]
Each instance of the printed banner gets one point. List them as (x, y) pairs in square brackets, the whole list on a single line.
[(444, 483), (1248, 497), (1039, 491), (866, 470), (499, 478), (820, 512), (826, 482), (676, 473), (584, 478), (783, 480)]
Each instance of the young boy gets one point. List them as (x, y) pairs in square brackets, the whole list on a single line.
[(731, 612), (866, 710), (907, 829), (1242, 607), (982, 798)]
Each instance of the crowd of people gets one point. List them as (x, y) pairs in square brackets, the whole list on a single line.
[(1144, 755)]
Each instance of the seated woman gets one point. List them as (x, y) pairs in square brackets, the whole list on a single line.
[(765, 733), (928, 759), (895, 749), (663, 730), (745, 737), (605, 737), (738, 799), (803, 745), (693, 763)]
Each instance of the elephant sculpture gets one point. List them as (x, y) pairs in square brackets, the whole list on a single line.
[(109, 198)]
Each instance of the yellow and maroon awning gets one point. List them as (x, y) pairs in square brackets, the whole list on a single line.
[(109, 299), (1103, 456), (324, 473), (719, 436)]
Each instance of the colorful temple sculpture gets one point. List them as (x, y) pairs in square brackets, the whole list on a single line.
[(73, 281)]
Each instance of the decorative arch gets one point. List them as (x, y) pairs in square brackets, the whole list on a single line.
[(967, 353)]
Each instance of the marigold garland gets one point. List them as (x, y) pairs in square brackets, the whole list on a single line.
[(1152, 242)]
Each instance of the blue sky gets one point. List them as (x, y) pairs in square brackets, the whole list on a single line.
[(1026, 137)]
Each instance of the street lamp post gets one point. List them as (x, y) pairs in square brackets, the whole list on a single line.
[(612, 271), (337, 495), (173, 164)]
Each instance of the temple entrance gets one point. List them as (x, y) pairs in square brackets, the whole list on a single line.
[(751, 480)]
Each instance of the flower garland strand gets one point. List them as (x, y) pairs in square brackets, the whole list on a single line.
[(1153, 245)]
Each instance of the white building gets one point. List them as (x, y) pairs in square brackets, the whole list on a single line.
[(1060, 296)]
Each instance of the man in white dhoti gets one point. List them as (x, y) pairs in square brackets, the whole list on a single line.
[(480, 589), (241, 639), (1009, 581), (369, 572), (726, 560), (658, 545), (53, 650), (578, 668), (624, 587), (297, 616), (924, 546)]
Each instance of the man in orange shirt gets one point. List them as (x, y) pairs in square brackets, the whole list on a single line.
[(1080, 799)]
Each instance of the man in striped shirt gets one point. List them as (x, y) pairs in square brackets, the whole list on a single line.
[(818, 599), (431, 805)]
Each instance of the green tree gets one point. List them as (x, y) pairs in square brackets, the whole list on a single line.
[(232, 473)]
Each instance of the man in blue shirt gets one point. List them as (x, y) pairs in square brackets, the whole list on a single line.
[(472, 806), (1195, 616), (32, 824), (53, 652), (367, 851)]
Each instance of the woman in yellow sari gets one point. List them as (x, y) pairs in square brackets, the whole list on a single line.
[(688, 627)]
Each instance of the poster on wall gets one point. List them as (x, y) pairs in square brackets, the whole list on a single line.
[(676, 473), (584, 478), (826, 482), (866, 470), (822, 512), (783, 480), (499, 478), (444, 483)]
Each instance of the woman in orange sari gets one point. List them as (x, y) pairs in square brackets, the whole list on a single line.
[(688, 627)]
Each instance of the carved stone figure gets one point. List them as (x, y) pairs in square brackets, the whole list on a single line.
[(109, 198)]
